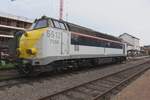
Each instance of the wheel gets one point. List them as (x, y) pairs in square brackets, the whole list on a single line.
[(25, 70)]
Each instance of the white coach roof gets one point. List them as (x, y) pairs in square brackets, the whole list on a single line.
[(20, 18)]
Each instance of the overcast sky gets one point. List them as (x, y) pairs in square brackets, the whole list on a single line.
[(108, 16)]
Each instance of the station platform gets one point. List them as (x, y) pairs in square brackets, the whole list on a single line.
[(137, 90)]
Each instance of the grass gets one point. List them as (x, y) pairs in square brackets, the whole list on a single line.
[(6, 66), (4, 78)]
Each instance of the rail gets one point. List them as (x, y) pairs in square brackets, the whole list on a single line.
[(98, 88)]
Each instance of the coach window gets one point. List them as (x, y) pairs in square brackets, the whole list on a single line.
[(49, 23)]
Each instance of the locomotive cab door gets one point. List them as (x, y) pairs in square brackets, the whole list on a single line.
[(62, 27), (65, 43)]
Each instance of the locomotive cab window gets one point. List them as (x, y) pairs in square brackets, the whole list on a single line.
[(40, 24), (59, 25), (62, 25), (56, 24)]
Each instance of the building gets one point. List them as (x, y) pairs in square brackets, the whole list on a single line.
[(146, 49), (9, 24), (133, 44)]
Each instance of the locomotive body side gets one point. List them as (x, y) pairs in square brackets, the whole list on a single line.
[(86, 46), (57, 44)]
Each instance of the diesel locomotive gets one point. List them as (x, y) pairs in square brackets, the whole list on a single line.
[(52, 43)]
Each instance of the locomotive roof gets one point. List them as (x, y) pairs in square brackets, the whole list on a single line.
[(80, 29), (77, 28)]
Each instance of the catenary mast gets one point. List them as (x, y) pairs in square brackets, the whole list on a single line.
[(61, 9)]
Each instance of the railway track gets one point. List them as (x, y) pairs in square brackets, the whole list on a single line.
[(10, 78), (6, 75), (99, 88), (49, 85)]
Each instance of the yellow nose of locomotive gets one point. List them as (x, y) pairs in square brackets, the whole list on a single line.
[(28, 43)]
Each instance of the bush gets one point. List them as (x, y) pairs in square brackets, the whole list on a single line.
[(4, 65)]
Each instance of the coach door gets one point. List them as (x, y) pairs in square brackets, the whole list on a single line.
[(65, 43)]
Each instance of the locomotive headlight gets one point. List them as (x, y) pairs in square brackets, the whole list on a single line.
[(31, 51), (26, 34)]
